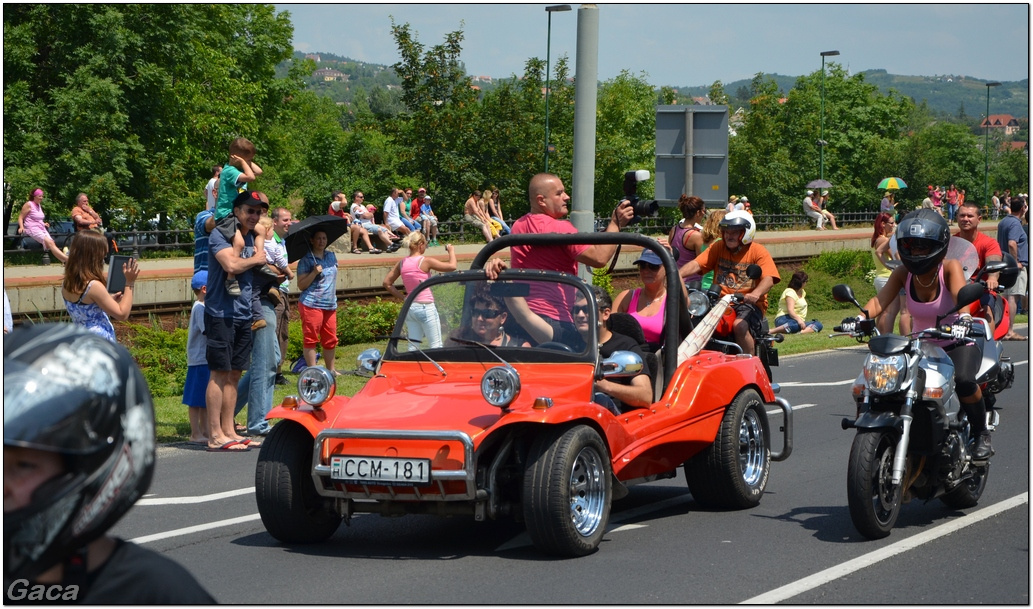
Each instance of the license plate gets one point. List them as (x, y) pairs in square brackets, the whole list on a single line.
[(380, 470)]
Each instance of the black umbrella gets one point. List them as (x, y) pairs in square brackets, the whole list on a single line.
[(819, 184), (299, 233)]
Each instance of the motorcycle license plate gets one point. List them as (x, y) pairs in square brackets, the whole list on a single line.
[(380, 470)]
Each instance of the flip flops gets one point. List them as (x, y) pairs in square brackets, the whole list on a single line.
[(229, 447), (356, 251), (251, 443)]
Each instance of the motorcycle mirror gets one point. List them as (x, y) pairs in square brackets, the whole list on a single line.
[(842, 293), (753, 271), (621, 364)]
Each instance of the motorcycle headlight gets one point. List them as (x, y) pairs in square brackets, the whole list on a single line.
[(500, 386), (316, 385), (698, 303), (885, 374)]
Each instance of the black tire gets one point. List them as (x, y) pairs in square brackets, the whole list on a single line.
[(291, 509), (567, 491), (733, 471), (874, 500)]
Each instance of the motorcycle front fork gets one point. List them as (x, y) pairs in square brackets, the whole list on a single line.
[(900, 456)]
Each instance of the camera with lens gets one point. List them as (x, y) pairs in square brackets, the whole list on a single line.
[(642, 208)]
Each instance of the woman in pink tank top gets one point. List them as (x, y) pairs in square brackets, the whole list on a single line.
[(31, 223), (422, 322), (648, 303), (686, 238)]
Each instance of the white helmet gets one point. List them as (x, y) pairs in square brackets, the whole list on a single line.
[(740, 219)]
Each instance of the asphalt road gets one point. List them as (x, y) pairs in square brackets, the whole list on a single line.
[(798, 546)]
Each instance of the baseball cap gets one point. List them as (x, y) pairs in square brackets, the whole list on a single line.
[(810, 192), (649, 257), (743, 198), (199, 280), (824, 192), (249, 197), (422, 190), (425, 199)]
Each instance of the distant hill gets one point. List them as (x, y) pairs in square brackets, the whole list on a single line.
[(947, 94)]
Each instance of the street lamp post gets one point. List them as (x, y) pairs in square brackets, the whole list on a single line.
[(986, 148), (821, 138), (556, 8)]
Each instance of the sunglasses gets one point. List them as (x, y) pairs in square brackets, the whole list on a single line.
[(253, 212), (580, 310), (646, 265), (486, 313)]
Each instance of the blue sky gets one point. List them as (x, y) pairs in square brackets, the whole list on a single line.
[(690, 45)]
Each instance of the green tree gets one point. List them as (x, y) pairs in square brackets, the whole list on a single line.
[(717, 94), (625, 136), (134, 103)]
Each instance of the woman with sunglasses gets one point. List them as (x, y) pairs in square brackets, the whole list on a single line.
[(884, 227), (422, 322), (487, 321), (648, 303)]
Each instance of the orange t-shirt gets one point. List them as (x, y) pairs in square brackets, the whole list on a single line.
[(729, 269)]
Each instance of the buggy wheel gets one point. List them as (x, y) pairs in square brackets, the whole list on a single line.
[(291, 509), (567, 492), (733, 471)]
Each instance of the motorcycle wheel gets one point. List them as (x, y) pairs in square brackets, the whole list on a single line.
[(967, 493), (733, 471), (874, 500)]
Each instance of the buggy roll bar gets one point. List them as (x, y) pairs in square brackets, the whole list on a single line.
[(674, 290)]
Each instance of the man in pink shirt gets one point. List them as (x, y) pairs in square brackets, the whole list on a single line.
[(548, 200)]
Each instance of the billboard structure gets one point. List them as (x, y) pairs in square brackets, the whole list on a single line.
[(692, 154)]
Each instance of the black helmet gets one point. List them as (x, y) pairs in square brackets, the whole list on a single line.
[(922, 229), (70, 392)]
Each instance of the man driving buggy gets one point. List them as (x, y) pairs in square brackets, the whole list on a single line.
[(728, 258)]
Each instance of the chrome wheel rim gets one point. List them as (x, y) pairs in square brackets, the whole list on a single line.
[(752, 447), (587, 491)]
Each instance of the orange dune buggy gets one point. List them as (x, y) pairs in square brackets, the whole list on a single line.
[(463, 427)]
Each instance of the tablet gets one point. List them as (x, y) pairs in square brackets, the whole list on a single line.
[(116, 274)]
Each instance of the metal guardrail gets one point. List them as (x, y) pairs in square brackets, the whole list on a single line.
[(455, 230)]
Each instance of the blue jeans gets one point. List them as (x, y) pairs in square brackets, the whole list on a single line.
[(409, 223), (256, 386), (793, 326), (424, 325)]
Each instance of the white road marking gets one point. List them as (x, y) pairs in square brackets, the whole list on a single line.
[(152, 500), (795, 408), (851, 566), (195, 529), (821, 384)]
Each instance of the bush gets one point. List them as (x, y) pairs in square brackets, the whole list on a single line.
[(362, 324), (162, 356), (842, 264), (601, 278)]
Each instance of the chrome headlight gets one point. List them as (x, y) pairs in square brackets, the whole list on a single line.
[(698, 303), (885, 374), (316, 385), (500, 386)]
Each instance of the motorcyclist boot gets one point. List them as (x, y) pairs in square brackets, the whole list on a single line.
[(982, 450), (976, 413)]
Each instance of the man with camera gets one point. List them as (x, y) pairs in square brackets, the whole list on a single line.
[(548, 199), (729, 258)]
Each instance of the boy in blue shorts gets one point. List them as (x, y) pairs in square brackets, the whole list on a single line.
[(197, 363), (234, 179)]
